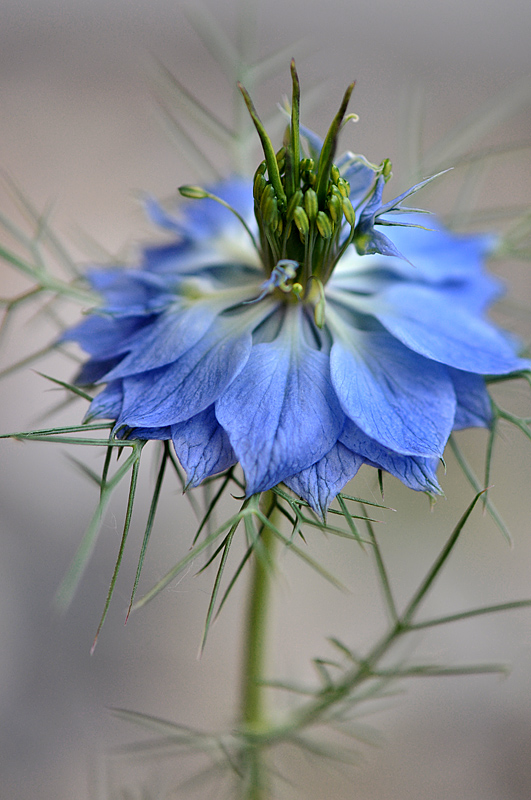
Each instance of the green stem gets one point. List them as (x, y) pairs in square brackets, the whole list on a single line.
[(254, 718)]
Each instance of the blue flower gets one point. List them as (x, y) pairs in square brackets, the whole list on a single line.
[(287, 349)]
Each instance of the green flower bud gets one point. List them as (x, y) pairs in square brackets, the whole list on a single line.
[(387, 169), (320, 305), (334, 174), (294, 201), (311, 204), (343, 187), (301, 221), (193, 192), (260, 184), (324, 225), (335, 208), (269, 206), (348, 210), (307, 165)]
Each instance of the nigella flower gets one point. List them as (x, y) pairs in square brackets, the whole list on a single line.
[(282, 329)]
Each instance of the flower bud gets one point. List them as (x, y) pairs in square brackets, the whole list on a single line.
[(310, 204), (269, 206), (301, 221), (343, 187), (348, 210), (294, 201), (260, 184), (193, 192), (324, 225), (335, 208)]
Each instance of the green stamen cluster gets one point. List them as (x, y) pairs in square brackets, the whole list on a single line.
[(300, 204)]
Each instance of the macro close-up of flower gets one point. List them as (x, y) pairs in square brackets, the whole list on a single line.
[(284, 360), (289, 334)]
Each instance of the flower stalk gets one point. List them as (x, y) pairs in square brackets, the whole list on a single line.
[(254, 715)]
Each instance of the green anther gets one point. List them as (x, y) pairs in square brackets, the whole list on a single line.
[(344, 187), (294, 201), (281, 159), (301, 221), (320, 305), (269, 206), (310, 204), (260, 184), (265, 199), (386, 168), (348, 210), (307, 164), (324, 225), (335, 208), (194, 192)]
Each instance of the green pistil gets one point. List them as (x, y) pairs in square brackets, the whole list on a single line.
[(301, 207)]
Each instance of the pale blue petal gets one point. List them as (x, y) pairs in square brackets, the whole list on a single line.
[(281, 412), (415, 472), (132, 292), (108, 403), (198, 220), (166, 340), (315, 143), (93, 370), (321, 482), (402, 400), (374, 242), (162, 433), (202, 446), (426, 322), (473, 402), (105, 337), (359, 173), (438, 255), (174, 393)]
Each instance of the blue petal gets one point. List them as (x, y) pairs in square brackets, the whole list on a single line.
[(94, 370), (281, 412), (203, 219), (359, 173), (150, 433), (174, 393), (403, 401), (438, 255), (320, 483), (473, 402), (108, 403), (426, 322), (202, 446), (415, 472), (373, 242), (105, 337), (209, 218), (315, 143), (170, 336), (132, 292)]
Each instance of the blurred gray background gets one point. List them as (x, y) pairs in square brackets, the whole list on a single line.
[(79, 129)]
